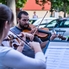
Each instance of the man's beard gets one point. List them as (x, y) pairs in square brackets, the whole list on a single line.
[(25, 26)]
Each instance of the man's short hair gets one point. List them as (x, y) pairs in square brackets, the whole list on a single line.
[(20, 13)]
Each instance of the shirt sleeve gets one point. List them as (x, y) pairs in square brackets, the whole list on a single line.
[(17, 60)]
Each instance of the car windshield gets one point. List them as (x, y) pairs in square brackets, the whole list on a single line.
[(52, 24), (45, 20)]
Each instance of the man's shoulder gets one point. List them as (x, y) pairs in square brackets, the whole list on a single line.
[(12, 28), (15, 30)]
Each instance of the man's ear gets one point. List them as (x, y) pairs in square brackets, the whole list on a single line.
[(17, 19), (6, 24)]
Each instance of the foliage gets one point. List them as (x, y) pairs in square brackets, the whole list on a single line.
[(41, 3), (57, 4), (61, 5), (19, 3), (3, 1)]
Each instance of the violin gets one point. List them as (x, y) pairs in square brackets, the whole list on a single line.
[(42, 33), (14, 41)]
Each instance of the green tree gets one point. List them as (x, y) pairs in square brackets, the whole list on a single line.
[(61, 5), (41, 3), (57, 4), (13, 4), (19, 3)]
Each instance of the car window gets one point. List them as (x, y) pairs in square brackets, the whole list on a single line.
[(40, 21), (61, 23), (64, 23), (52, 24), (31, 21), (41, 26)]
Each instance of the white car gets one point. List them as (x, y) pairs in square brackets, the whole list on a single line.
[(58, 26), (45, 20)]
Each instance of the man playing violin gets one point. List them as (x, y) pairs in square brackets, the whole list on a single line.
[(22, 24)]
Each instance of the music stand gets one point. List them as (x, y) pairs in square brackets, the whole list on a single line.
[(57, 55)]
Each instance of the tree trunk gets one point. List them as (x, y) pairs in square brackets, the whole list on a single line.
[(52, 13), (12, 5), (64, 8)]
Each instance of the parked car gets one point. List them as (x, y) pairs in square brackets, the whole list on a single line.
[(42, 21), (60, 26)]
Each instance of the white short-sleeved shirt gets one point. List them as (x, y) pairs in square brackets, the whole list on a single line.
[(12, 59)]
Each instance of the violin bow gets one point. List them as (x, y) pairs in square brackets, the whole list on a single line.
[(43, 18), (40, 22)]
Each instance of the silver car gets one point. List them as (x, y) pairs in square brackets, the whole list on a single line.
[(59, 26)]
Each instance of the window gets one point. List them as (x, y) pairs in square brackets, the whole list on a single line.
[(64, 23), (52, 24)]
